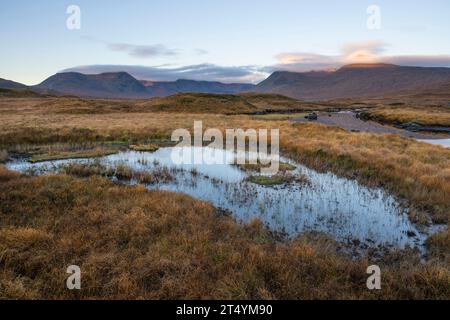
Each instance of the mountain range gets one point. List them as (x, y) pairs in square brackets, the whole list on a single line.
[(351, 81), (354, 81), (121, 85)]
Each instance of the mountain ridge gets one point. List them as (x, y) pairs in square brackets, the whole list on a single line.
[(352, 81), (349, 81)]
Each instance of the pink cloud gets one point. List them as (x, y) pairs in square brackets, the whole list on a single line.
[(358, 52)]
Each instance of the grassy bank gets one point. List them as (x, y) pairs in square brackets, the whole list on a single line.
[(79, 154), (132, 243), (428, 116)]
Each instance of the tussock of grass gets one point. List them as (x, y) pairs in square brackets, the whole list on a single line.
[(278, 179), (3, 156), (84, 171), (439, 245), (144, 147), (6, 175), (283, 166), (134, 244)]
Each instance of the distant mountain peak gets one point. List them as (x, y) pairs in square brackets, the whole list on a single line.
[(350, 81), (353, 81), (123, 85)]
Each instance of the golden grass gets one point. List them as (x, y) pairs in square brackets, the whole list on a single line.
[(3, 156), (282, 166), (432, 116), (248, 103), (144, 147), (417, 172), (131, 243), (6, 175), (439, 245)]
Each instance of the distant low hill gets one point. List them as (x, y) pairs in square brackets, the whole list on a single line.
[(121, 85), (105, 85), (162, 89), (359, 80), (19, 93), (8, 84)]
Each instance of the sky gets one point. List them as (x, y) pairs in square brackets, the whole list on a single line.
[(219, 40)]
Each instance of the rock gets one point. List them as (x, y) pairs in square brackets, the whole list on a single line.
[(412, 126), (411, 234), (311, 116)]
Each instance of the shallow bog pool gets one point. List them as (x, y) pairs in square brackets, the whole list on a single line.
[(342, 208)]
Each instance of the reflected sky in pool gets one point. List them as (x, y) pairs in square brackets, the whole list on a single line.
[(336, 206)]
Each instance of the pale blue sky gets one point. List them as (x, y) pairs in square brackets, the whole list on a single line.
[(228, 40)]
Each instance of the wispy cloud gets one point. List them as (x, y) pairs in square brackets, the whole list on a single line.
[(142, 51), (200, 51), (136, 50), (208, 72), (358, 52)]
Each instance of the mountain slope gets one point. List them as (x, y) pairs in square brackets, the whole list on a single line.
[(105, 85), (184, 86), (8, 84), (352, 81), (361, 80), (123, 85)]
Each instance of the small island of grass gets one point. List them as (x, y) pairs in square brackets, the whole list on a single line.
[(144, 147), (278, 179)]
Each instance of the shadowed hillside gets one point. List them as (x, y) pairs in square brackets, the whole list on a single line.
[(360, 80)]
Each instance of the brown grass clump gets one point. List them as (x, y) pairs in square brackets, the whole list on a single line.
[(84, 171), (432, 116), (282, 166), (279, 179), (134, 244), (3, 156), (6, 175), (144, 147), (439, 245)]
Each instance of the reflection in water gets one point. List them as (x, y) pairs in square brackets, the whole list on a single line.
[(336, 206)]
